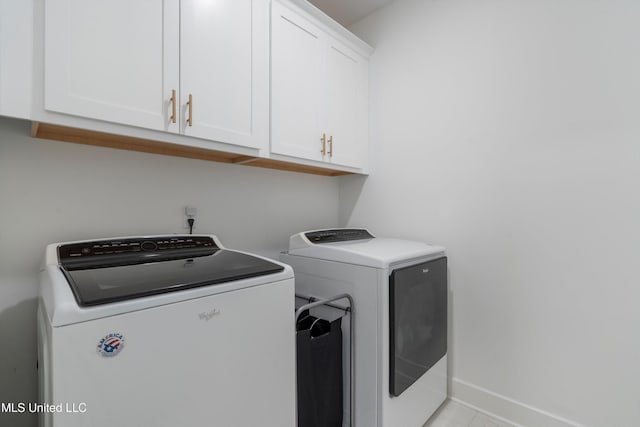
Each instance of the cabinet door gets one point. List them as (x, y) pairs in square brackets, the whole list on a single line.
[(112, 60), (224, 66), (296, 95), (345, 105)]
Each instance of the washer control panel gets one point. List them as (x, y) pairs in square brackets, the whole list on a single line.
[(132, 246)]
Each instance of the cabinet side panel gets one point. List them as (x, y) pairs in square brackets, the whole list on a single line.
[(16, 58)]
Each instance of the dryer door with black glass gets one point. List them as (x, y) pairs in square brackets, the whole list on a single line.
[(417, 321)]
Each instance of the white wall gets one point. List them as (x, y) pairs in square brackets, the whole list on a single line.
[(509, 131), (16, 39), (54, 191)]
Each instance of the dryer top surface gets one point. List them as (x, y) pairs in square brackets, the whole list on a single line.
[(373, 252)]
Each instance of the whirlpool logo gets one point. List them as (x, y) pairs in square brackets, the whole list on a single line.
[(208, 315)]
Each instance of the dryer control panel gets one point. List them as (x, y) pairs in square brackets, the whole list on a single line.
[(338, 235)]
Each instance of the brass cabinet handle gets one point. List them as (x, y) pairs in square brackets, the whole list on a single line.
[(331, 146), (190, 105), (173, 106), (324, 144)]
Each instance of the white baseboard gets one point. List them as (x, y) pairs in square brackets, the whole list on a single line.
[(504, 408)]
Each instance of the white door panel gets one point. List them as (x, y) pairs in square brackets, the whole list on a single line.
[(296, 94), (342, 108), (115, 61), (224, 66)]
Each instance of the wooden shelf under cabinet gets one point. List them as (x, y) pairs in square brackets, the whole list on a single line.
[(102, 139)]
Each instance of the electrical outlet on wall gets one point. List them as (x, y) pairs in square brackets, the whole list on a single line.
[(190, 212)]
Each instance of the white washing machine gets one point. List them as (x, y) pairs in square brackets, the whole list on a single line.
[(399, 289), (165, 331)]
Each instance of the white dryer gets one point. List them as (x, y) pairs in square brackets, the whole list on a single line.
[(165, 331), (399, 288)]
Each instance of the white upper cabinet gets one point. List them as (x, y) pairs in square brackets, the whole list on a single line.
[(224, 66), (121, 61), (296, 67), (319, 88), (346, 105), (272, 79), (116, 61)]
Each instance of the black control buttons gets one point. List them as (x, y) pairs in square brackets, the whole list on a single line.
[(148, 245)]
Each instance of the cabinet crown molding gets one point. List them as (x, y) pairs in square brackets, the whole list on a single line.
[(353, 41)]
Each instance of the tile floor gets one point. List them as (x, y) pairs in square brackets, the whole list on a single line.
[(454, 414)]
